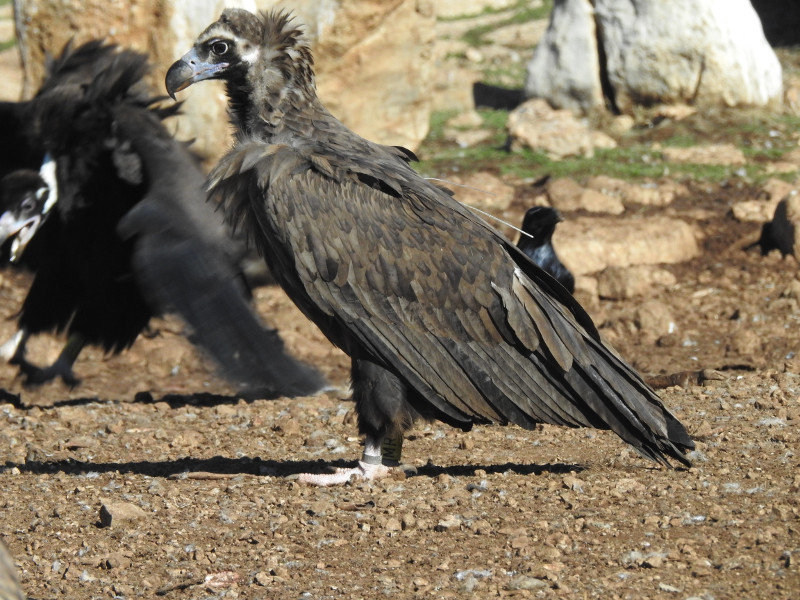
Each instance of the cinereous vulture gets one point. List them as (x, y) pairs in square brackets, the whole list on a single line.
[(442, 316)]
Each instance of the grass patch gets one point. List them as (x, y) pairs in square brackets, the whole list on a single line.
[(521, 12), (762, 137)]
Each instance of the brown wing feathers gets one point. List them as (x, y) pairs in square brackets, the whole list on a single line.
[(395, 270)]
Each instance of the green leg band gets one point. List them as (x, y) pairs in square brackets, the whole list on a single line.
[(391, 449)]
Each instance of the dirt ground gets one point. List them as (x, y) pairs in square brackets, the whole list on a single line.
[(498, 512)]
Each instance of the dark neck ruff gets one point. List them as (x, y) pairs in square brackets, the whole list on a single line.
[(239, 102)]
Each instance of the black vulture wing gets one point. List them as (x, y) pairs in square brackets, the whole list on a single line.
[(180, 261), (391, 267)]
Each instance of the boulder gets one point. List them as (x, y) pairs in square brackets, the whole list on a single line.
[(481, 190), (374, 60), (714, 154), (565, 67), (557, 133), (648, 194), (591, 244), (566, 195), (696, 51), (622, 283), (684, 51)]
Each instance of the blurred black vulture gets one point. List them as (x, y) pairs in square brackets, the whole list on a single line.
[(540, 223), (126, 233), (442, 316)]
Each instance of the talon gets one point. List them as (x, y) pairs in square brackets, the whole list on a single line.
[(365, 471)]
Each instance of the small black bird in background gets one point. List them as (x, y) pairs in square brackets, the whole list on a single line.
[(540, 223), (124, 231), (443, 317)]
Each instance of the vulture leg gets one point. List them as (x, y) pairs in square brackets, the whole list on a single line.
[(383, 415), (62, 367)]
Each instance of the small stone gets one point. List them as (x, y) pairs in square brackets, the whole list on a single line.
[(520, 542), (420, 582), (117, 560), (466, 444), (524, 582), (481, 527), (115, 513), (449, 522), (393, 524), (262, 578), (653, 562)]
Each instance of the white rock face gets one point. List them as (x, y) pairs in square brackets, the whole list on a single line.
[(565, 65), (688, 50), (695, 51)]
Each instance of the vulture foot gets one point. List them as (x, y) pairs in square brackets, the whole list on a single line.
[(35, 376), (363, 471)]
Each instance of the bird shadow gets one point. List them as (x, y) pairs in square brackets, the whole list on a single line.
[(199, 399), (224, 466)]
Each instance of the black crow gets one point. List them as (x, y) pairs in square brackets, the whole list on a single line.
[(127, 233), (442, 316), (540, 223)]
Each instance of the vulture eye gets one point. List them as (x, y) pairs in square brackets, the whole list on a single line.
[(219, 48), (28, 205)]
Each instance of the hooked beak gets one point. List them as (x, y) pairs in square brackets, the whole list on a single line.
[(22, 230), (190, 69)]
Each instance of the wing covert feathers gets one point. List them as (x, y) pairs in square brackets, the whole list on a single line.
[(388, 264)]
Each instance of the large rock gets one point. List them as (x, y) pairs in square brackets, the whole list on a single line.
[(373, 59), (557, 133), (567, 195), (564, 68), (695, 51), (590, 244)]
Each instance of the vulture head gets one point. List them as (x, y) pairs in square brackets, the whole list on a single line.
[(23, 208), (264, 55)]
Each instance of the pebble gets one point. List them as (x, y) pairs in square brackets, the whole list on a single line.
[(523, 582), (116, 513), (449, 522)]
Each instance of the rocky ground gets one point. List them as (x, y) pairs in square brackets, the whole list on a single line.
[(154, 478)]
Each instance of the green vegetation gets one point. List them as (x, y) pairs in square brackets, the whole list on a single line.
[(762, 136), (521, 13)]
